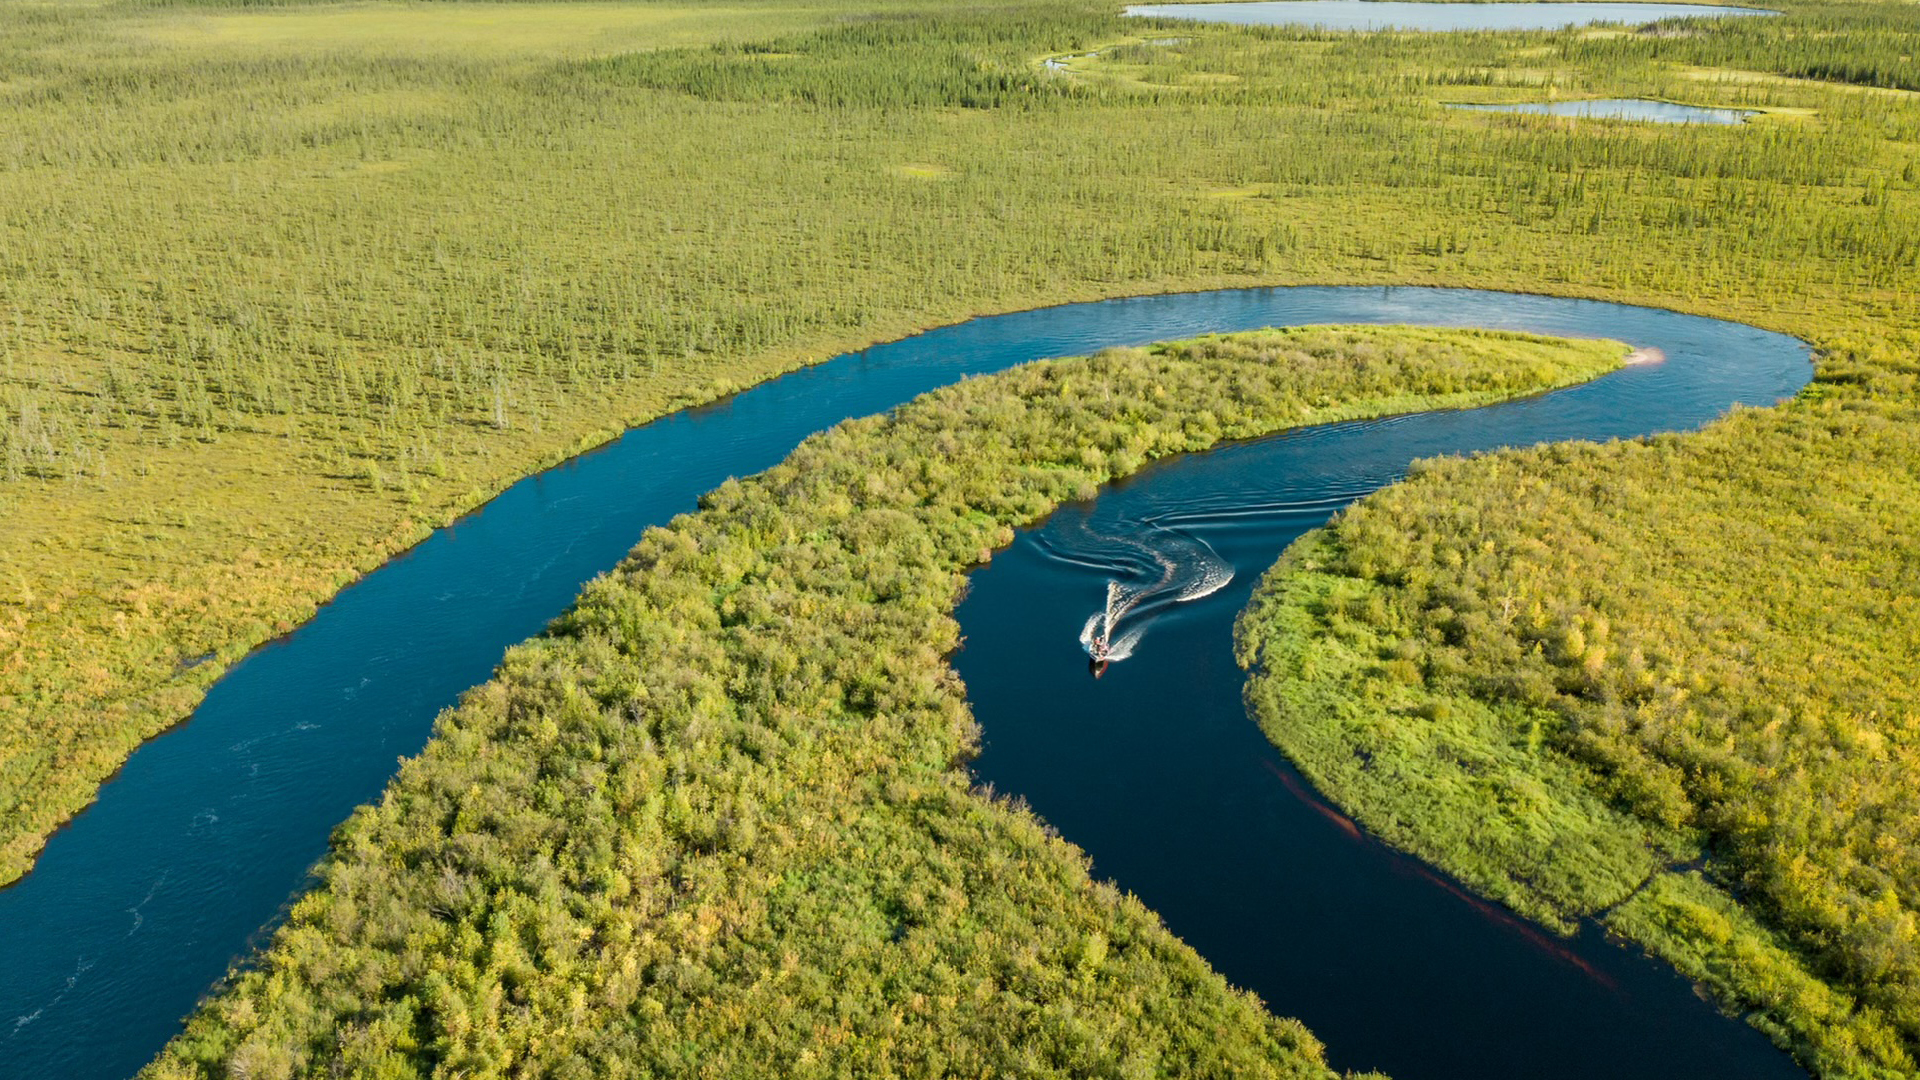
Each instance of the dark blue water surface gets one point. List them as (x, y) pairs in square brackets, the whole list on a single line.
[(1157, 772), (193, 851)]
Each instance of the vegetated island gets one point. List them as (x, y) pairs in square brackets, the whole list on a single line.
[(718, 818), (1668, 683)]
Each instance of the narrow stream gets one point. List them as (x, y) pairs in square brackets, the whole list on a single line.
[(193, 851)]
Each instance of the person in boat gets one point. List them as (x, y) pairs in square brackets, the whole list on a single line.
[(1097, 658)]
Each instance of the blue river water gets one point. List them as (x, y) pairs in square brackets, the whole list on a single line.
[(1653, 112), (193, 851), (1428, 15), (1156, 771)]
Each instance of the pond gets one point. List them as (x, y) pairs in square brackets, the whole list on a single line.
[(1655, 112), (194, 849), (1417, 15)]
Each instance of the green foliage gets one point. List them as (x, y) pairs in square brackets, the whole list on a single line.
[(1460, 782), (1711, 636), (1713, 939), (717, 822), (283, 287), (975, 59), (1868, 44)]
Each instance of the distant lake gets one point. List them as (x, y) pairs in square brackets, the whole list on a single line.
[(1657, 112), (1414, 15)]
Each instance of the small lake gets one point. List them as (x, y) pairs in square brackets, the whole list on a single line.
[(191, 853), (1654, 112), (1416, 15)]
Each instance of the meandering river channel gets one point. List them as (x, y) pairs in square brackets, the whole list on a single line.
[(193, 851), (1157, 772)]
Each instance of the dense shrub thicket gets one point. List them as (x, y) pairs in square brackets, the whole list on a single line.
[(1675, 681), (717, 822)]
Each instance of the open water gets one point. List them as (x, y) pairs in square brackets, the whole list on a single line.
[(193, 852)]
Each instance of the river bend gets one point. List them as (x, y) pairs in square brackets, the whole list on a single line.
[(193, 851)]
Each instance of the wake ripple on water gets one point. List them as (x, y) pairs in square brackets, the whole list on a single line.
[(1157, 559), (1149, 569)]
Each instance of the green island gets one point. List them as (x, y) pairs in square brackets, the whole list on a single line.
[(284, 286), (1667, 683), (720, 813)]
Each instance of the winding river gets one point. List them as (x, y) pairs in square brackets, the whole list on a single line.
[(1156, 771), (192, 852)]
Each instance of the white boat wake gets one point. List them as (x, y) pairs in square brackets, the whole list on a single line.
[(1152, 571)]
